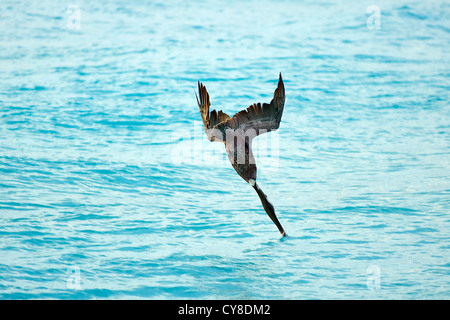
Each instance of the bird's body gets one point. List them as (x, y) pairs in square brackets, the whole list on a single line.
[(238, 132)]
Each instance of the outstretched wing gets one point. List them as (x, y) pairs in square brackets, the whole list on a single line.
[(210, 119), (261, 118)]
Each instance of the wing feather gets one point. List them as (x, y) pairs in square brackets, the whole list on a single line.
[(262, 118), (210, 119)]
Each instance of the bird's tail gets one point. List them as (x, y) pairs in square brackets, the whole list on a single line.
[(268, 207)]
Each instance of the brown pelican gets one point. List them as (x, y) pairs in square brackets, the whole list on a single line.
[(238, 132)]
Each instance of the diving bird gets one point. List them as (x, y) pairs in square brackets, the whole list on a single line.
[(238, 132)]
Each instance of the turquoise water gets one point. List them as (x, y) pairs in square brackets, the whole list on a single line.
[(110, 190)]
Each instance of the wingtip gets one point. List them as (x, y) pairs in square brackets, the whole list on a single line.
[(280, 81)]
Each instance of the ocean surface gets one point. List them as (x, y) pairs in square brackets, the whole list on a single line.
[(109, 188)]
